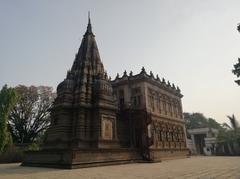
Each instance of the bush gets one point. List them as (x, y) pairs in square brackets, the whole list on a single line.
[(12, 154), (33, 147)]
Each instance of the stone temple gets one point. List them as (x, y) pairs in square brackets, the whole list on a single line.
[(98, 121)]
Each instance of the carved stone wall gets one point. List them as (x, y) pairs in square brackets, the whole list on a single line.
[(162, 103), (107, 127), (162, 128), (168, 135)]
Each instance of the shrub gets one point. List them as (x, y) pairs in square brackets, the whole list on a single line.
[(33, 147), (12, 154)]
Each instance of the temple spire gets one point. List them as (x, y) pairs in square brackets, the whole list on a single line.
[(89, 20), (88, 53), (89, 27)]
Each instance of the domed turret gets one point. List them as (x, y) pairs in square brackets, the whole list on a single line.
[(103, 93), (102, 87), (65, 86), (65, 91)]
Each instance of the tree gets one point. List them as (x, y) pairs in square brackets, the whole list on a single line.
[(31, 115), (236, 71), (214, 124), (195, 120), (233, 122), (229, 136), (235, 131), (198, 120), (8, 98)]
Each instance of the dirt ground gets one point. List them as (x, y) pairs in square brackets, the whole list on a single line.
[(194, 167)]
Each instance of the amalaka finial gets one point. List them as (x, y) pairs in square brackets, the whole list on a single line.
[(131, 73), (151, 74), (143, 71), (168, 83), (124, 73), (117, 77), (163, 80), (173, 86)]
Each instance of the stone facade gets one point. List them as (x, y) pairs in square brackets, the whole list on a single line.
[(96, 121), (160, 132)]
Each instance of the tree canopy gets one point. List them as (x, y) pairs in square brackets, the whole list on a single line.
[(236, 71), (233, 122), (198, 120), (229, 136), (8, 98), (236, 67), (30, 116)]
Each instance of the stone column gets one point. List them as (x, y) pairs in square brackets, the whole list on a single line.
[(194, 144)]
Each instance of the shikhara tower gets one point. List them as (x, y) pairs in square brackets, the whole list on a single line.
[(95, 121), (84, 103)]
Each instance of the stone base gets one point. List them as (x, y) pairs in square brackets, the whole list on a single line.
[(158, 155), (80, 158)]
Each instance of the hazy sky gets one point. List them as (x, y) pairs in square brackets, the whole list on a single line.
[(193, 43)]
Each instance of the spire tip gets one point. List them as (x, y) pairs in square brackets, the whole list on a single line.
[(89, 26), (89, 20)]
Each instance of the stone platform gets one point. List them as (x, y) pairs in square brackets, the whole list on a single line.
[(80, 158), (159, 155)]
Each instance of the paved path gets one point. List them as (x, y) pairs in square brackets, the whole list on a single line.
[(194, 167)]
